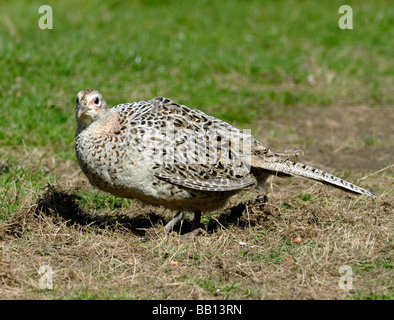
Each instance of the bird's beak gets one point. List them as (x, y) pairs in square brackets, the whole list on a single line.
[(81, 109)]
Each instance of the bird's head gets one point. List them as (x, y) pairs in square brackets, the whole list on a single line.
[(89, 106)]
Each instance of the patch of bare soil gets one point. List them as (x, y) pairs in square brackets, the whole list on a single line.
[(356, 138)]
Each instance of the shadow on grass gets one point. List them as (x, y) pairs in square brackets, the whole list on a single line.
[(61, 204)]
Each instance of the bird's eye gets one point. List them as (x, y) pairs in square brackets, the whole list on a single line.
[(96, 101)]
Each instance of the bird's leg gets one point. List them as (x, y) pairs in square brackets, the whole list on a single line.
[(196, 230), (170, 225), (196, 220)]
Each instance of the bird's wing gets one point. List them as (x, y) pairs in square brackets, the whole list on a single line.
[(189, 147), (215, 184)]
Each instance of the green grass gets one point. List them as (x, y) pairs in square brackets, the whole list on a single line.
[(102, 200), (259, 56), (371, 296), (234, 59), (242, 61)]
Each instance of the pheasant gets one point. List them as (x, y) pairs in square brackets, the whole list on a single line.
[(167, 154)]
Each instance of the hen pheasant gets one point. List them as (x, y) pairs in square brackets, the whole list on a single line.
[(163, 153)]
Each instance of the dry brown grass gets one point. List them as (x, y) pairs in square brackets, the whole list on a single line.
[(248, 252), (254, 257)]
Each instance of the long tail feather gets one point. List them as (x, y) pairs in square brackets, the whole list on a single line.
[(283, 167)]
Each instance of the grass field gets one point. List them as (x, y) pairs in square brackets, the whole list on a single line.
[(281, 68)]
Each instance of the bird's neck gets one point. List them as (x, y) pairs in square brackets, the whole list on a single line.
[(92, 123)]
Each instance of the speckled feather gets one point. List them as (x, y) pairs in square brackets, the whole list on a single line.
[(167, 154)]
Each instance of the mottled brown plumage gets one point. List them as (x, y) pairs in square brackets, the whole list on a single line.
[(166, 154)]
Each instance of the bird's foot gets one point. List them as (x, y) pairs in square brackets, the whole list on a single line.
[(194, 233), (196, 230), (170, 225)]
